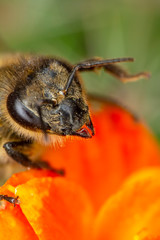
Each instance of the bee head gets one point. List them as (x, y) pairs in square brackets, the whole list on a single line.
[(52, 101)]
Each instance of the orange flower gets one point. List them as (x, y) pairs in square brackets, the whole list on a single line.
[(110, 191)]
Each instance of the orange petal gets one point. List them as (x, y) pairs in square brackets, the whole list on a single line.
[(56, 209), (120, 146), (14, 225), (22, 177), (134, 212)]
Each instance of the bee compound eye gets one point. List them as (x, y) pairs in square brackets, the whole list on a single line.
[(22, 115)]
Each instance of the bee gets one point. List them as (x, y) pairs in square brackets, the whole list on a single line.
[(42, 100)]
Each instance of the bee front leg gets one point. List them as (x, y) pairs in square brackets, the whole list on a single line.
[(23, 159), (111, 67), (121, 74)]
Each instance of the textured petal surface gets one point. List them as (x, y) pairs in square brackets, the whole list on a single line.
[(14, 225), (56, 209), (23, 177), (134, 212)]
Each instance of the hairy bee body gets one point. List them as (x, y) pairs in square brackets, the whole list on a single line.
[(31, 77), (42, 100)]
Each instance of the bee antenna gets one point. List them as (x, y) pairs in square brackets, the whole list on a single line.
[(93, 63)]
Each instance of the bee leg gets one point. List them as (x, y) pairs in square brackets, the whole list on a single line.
[(12, 200), (112, 68), (21, 158), (123, 75)]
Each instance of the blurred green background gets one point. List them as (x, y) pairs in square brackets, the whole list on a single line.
[(76, 30)]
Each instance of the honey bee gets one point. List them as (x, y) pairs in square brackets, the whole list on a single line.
[(42, 100)]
